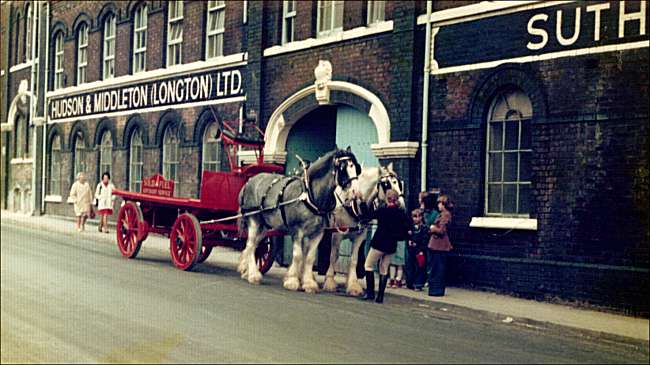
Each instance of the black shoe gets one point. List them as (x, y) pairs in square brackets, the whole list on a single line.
[(383, 279), (370, 286)]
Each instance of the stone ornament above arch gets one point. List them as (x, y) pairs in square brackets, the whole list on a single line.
[(277, 130)]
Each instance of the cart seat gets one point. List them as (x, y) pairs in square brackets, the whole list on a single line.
[(220, 190)]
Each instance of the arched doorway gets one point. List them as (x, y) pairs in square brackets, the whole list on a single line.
[(318, 132), (325, 127)]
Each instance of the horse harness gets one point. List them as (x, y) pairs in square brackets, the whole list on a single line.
[(306, 196)]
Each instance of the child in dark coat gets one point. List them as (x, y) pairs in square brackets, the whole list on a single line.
[(416, 265)]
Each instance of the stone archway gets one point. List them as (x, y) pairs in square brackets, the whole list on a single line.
[(277, 130)]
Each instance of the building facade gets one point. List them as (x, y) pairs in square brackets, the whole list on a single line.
[(535, 113)]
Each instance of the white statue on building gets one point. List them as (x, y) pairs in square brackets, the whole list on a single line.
[(323, 74)]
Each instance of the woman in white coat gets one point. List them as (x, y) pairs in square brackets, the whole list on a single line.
[(105, 198), (81, 196)]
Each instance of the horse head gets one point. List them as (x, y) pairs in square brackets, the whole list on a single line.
[(389, 180)]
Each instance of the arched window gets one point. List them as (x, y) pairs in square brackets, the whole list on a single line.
[(170, 156), (79, 148), (509, 154), (106, 154), (140, 39), (175, 33), (28, 33), (54, 170), (211, 154), (58, 61), (82, 53), (135, 161), (109, 48)]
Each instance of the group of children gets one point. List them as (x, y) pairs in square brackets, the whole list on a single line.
[(426, 249), (412, 272)]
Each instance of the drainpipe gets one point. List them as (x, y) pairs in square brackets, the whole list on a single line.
[(425, 100), (47, 68), (32, 101)]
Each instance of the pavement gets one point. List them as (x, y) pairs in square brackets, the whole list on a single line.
[(506, 309)]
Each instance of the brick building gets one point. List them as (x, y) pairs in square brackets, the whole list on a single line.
[(536, 122)]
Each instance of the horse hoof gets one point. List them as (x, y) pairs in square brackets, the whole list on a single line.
[(292, 284), (329, 285), (255, 279), (354, 290), (310, 287)]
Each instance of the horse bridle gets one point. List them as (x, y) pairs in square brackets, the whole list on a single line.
[(338, 162), (384, 183), (337, 166)]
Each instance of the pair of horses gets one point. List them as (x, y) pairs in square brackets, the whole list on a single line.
[(328, 190)]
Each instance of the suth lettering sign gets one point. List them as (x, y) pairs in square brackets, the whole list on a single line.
[(190, 88), (541, 31)]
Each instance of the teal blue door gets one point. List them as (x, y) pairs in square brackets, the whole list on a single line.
[(319, 132), (312, 136), (355, 129)]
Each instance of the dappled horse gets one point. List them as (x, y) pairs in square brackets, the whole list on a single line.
[(373, 184), (299, 206)]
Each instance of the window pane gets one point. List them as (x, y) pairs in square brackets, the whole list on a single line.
[(525, 135), (512, 135), (496, 136), (524, 166), (495, 167), (338, 14), (524, 199), (509, 198), (494, 198), (510, 166)]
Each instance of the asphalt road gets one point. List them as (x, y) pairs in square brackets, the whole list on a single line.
[(68, 300)]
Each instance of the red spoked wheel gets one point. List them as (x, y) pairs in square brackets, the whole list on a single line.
[(265, 254), (185, 241), (129, 229), (205, 252)]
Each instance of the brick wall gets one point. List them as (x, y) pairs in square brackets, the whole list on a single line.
[(590, 158)]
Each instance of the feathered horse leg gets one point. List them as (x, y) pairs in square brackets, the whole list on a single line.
[(330, 283), (291, 280), (309, 284)]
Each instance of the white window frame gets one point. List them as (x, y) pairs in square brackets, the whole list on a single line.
[(82, 53), (106, 153), (503, 151), (108, 61), (58, 61), (135, 164), (332, 27), (140, 19), (54, 184), (288, 21), (208, 141), (28, 34), (373, 13), (213, 9), (174, 46), (170, 152)]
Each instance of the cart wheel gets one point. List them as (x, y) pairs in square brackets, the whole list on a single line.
[(185, 241), (129, 230), (265, 254), (205, 252)]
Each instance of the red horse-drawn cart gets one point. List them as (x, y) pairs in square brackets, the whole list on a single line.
[(195, 226)]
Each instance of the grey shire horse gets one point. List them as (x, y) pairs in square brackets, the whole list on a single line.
[(298, 206)]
